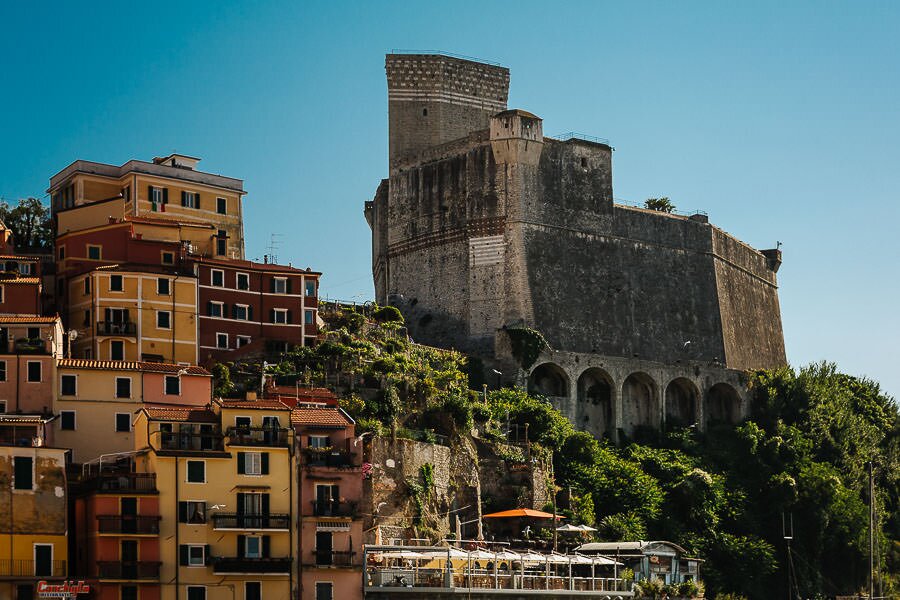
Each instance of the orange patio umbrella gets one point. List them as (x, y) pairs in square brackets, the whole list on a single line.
[(519, 513)]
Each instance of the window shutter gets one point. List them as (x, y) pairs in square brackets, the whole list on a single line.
[(183, 555), (183, 198), (197, 200), (241, 545), (209, 308), (271, 315), (149, 193), (182, 512), (289, 317), (264, 469), (250, 313), (165, 195), (125, 313), (240, 503), (264, 501), (107, 312), (224, 310), (266, 546), (207, 558), (272, 285), (288, 288), (234, 311), (242, 462)]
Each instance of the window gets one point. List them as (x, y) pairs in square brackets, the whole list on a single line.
[(34, 371), (214, 309), (217, 278), (168, 258), (123, 387), (2, 370), (253, 546), (192, 511), (129, 592), (94, 252), (221, 206), (242, 422), (34, 333), (196, 555), (279, 315), (251, 463), (196, 471), (252, 590), (2, 406), (196, 592), (279, 285), (116, 350), (87, 285), (158, 198), (62, 252), (67, 420), (240, 312), (87, 318), (23, 472), (67, 385), (25, 269), (190, 199), (309, 317), (3, 293), (115, 283), (221, 243), (324, 590), (310, 288), (162, 286), (319, 441), (164, 319), (123, 422), (243, 281), (173, 385), (243, 340), (222, 341)]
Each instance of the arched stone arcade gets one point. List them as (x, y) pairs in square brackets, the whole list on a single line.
[(723, 404), (640, 404), (595, 409), (682, 401), (549, 379)]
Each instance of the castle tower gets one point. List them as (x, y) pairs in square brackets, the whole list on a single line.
[(434, 99)]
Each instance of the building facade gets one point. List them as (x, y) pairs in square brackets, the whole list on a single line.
[(30, 345)]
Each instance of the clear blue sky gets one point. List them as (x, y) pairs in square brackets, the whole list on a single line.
[(781, 120)]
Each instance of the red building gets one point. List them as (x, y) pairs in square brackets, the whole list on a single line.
[(248, 308), (20, 278)]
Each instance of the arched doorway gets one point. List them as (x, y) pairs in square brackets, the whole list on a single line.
[(682, 403), (594, 412), (549, 380), (723, 404), (640, 407)]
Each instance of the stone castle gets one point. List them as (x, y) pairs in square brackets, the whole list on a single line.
[(485, 225)]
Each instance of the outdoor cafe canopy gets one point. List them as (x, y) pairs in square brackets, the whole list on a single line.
[(519, 513)]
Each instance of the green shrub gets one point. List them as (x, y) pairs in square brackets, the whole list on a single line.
[(388, 314)]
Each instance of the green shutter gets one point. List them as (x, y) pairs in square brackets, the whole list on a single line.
[(250, 313), (207, 554), (242, 461), (183, 555), (241, 545), (183, 198), (289, 317), (150, 193), (265, 466), (182, 512), (266, 546), (165, 195), (288, 288)]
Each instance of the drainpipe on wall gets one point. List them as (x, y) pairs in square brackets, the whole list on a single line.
[(174, 319), (298, 454), (177, 562)]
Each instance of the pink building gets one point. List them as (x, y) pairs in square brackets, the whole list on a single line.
[(330, 489), (29, 347)]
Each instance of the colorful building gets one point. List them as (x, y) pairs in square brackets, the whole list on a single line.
[(97, 400), (134, 313), (29, 348), (254, 308), (330, 490), (33, 509)]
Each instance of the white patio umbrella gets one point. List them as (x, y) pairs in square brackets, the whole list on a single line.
[(405, 554), (586, 528), (569, 528)]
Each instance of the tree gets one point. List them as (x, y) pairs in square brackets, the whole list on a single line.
[(660, 204), (29, 222)]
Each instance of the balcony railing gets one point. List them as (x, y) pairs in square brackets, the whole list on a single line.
[(259, 436), (116, 328), (225, 564), (25, 346), (329, 457), (181, 440), (254, 522), (125, 524), (128, 570), (334, 558), (333, 508), (29, 568), (123, 482)]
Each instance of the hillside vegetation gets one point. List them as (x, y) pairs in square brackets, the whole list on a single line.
[(721, 493)]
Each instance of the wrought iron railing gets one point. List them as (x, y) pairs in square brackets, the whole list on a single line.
[(242, 521), (128, 524)]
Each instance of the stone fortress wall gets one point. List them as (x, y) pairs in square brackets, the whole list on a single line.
[(484, 223)]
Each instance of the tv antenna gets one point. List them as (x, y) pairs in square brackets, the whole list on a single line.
[(274, 246)]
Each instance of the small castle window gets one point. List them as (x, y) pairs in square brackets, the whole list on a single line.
[(583, 163), (424, 112)]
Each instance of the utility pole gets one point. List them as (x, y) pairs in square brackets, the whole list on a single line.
[(787, 531)]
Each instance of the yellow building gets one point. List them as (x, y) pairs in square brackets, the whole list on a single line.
[(96, 401), (134, 313), (225, 497), (33, 514), (167, 188)]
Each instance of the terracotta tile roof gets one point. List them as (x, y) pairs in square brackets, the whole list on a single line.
[(192, 414), (14, 280), (169, 221), (292, 396), (128, 365), (254, 266), (17, 257), (254, 404), (9, 319), (326, 416), (141, 268)]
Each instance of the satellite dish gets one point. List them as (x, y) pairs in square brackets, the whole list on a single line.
[(72, 333)]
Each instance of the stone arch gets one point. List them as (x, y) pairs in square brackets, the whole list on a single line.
[(723, 404), (640, 406), (596, 401), (549, 379), (682, 403)]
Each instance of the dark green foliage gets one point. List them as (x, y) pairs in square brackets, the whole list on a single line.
[(659, 204), (527, 345), (546, 426), (387, 314), (223, 387), (29, 222)]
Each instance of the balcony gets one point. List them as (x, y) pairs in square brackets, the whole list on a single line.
[(188, 441), (131, 483), (26, 346), (333, 508), (128, 525), (330, 458), (225, 565), (259, 436), (134, 570), (15, 568), (116, 328), (251, 522), (334, 558)]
